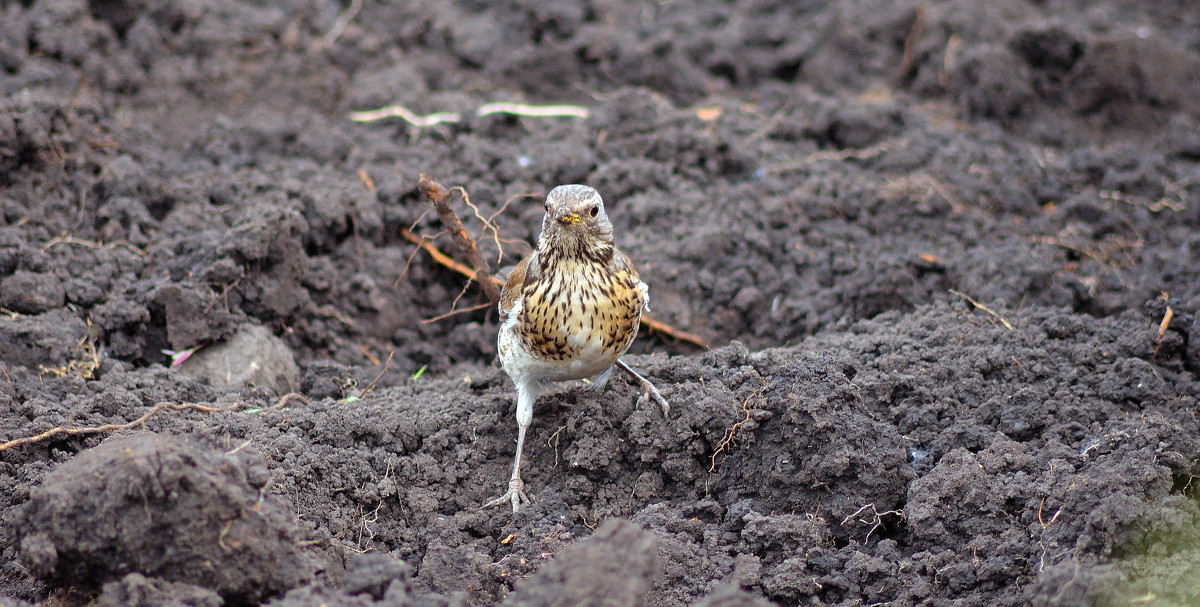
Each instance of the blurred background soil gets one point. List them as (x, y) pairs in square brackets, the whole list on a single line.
[(947, 254)]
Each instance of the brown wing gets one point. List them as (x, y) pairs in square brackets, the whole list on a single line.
[(622, 266), (622, 263), (525, 273)]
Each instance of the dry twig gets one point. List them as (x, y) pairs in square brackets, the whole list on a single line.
[(442, 258), (1163, 325), (730, 440), (440, 197), (371, 386), (57, 431), (500, 107), (457, 311), (1003, 321), (343, 20), (399, 111), (535, 111), (909, 59), (1166, 322), (64, 238), (286, 398), (805, 162)]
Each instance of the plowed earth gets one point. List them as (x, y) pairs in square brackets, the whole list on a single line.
[(947, 254)]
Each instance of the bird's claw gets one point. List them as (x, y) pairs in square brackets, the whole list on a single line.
[(648, 390), (652, 392), (515, 494)]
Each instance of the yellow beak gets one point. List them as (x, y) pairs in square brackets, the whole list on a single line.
[(570, 218)]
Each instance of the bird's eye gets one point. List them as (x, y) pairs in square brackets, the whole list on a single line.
[(595, 210)]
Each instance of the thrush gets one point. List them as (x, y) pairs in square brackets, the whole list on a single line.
[(568, 311)]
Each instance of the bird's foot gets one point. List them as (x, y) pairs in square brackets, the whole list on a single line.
[(648, 390), (515, 494)]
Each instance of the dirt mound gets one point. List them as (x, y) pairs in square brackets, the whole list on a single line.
[(160, 507)]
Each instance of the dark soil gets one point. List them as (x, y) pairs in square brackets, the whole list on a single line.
[(948, 255)]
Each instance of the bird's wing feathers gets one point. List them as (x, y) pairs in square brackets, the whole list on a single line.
[(525, 273), (622, 263)]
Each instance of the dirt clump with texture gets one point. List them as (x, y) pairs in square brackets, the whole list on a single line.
[(947, 255)]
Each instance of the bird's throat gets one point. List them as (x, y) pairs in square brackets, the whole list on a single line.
[(571, 247)]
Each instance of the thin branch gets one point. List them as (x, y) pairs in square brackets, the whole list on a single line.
[(1003, 321), (487, 222), (290, 396), (57, 431), (857, 153), (491, 221), (440, 197), (371, 386), (1166, 322), (456, 312), (442, 258), (909, 59), (672, 332), (342, 21), (64, 238)]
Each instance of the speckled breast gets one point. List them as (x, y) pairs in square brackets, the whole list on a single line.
[(582, 317)]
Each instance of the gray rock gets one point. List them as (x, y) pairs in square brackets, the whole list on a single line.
[(252, 357)]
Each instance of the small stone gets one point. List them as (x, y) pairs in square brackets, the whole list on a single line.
[(252, 357)]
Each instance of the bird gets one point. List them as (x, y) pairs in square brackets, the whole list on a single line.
[(568, 311)]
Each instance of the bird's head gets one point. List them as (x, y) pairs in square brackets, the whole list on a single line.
[(575, 222)]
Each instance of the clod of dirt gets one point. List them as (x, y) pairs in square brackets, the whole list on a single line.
[(377, 575), (371, 579), (452, 575), (165, 508), (812, 416), (191, 317), (46, 339), (615, 566), (732, 596), (136, 590), (252, 357), (31, 292)]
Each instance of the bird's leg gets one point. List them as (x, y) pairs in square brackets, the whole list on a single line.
[(516, 487), (647, 387), (600, 380)]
